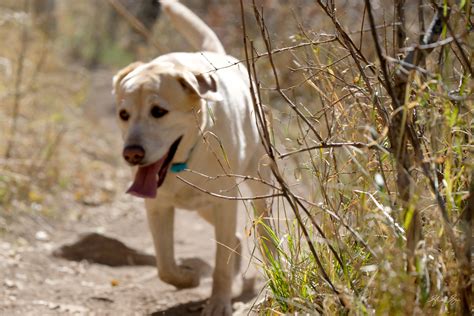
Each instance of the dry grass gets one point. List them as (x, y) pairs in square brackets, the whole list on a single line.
[(349, 248)]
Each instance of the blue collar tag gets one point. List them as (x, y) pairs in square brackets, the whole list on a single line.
[(178, 167)]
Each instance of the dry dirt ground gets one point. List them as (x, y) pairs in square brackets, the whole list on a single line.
[(34, 282)]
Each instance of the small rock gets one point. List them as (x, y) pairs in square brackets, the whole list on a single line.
[(42, 235), (9, 283)]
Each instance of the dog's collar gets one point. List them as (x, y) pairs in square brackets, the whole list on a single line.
[(178, 167)]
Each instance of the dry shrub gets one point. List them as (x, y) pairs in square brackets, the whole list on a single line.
[(338, 136)]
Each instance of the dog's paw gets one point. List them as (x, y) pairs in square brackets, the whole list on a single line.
[(183, 277), (218, 306)]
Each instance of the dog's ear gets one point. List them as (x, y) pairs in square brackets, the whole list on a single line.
[(122, 74), (204, 85)]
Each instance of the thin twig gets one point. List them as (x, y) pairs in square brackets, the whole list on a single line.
[(18, 82), (232, 198), (380, 54), (334, 145)]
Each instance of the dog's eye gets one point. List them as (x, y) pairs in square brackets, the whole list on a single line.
[(158, 112), (124, 115)]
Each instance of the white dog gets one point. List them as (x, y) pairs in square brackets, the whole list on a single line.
[(191, 111)]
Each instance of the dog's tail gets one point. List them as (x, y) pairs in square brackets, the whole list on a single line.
[(198, 34)]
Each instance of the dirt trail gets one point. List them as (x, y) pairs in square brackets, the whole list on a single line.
[(33, 282)]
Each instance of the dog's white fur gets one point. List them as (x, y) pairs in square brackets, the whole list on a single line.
[(209, 103)]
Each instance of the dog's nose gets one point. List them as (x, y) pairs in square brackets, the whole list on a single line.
[(133, 154)]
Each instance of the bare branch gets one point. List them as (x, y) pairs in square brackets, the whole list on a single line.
[(233, 198), (334, 145)]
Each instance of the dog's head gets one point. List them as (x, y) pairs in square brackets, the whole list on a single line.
[(156, 106)]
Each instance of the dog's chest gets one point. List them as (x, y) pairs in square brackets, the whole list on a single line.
[(191, 199), (186, 197)]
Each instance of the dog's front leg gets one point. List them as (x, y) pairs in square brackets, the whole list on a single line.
[(161, 222), (225, 218)]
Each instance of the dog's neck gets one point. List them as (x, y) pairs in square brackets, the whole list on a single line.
[(192, 138)]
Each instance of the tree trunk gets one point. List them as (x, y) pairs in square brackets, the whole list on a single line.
[(44, 16)]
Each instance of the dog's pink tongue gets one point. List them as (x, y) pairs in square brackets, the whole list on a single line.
[(146, 180)]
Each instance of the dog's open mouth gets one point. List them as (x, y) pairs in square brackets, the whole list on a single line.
[(149, 178)]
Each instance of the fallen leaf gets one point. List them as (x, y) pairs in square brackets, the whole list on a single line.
[(114, 282)]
